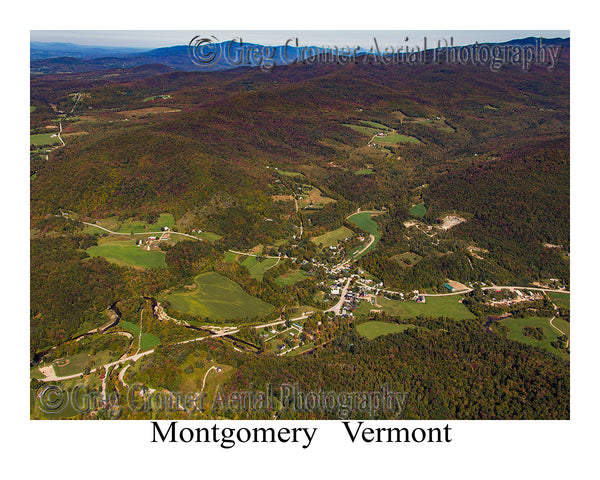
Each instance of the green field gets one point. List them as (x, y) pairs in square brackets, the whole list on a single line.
[(154, 97), (78, 362), (364, 221), (439, 124), (364, 171), (218, 297), (369, 131), (231, 257), (562, 325), (291, 277), (515, 326), (208, 236), (125, 252), (290, 174), (379, 126), (43, 139), (434, 307), (418, 210), (147, 341), (92, 230), (375, 329), (257, 269), (395, 139), (140, 226), (34, 372), (560, 299), (410, 257), (330, 239)]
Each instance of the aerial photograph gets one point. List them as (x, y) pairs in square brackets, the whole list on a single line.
[(299, 225)]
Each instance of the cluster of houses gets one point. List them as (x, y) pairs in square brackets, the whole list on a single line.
[(527, 296), (150, 242)]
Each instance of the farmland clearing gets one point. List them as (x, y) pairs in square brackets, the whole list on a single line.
[(217, 297)]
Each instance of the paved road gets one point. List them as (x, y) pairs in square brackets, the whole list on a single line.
[(51, 375), (338, 306), (279, 322), (59, 132), (140, 233), (252, 254), (495, 287), (371, 240)]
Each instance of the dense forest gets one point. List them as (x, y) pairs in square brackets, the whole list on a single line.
[(453, 370)]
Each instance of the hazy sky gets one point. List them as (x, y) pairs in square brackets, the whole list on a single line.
[(364, 38)]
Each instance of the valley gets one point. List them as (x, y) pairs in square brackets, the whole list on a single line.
[(247, 226)]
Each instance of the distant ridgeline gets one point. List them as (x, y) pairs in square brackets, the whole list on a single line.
[(208, 55)]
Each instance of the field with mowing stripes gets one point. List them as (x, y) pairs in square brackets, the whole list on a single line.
[(218, 297), (257, 269), (330, 239), (560, 299)]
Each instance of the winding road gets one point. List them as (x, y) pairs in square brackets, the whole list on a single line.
[(138, 233)]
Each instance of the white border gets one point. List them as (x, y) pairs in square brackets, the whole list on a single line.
[(480, 449)]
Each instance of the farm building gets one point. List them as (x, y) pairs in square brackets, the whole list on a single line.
[(449, 287)]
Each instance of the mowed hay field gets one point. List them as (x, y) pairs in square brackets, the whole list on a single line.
[(364, 221), (434, 307), (291, 277), (331, 238), (314, 197), (147, 340), (407, 257), (562, 300), (257, 269), (217, 297), (395, 139), (515, 332), (44, 139), (418, 210), (140, 226), (125, 252), (375, 329)]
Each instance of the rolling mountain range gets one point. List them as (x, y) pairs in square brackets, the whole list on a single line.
[(58, 58)]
